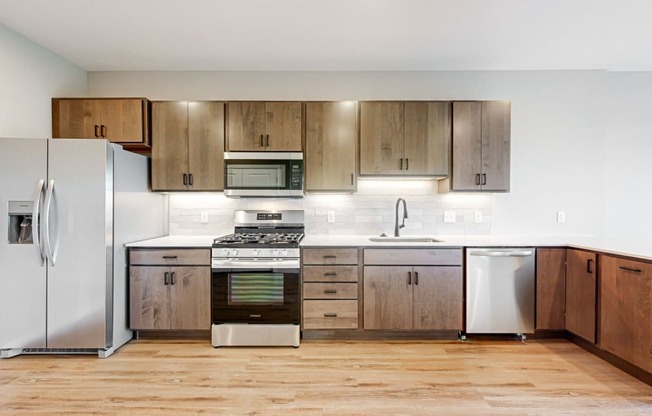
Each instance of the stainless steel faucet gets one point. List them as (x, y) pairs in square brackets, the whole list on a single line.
[(397, 227)]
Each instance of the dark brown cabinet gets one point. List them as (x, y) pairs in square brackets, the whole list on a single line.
[(188, 151), (481, 147), (263, 126), (119, 120), (404, 138), (331, 146), (551, 288), (581, 293), (626, 310)]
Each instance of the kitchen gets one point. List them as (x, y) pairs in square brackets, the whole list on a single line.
[(577, 133)]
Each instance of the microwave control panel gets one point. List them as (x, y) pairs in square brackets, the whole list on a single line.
[(296, 174)]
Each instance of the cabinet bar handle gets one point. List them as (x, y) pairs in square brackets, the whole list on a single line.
[(407, 164), (330, 274), (484, 178), (351, 179), (190, 179), (103, 130), (330, 315), (330, 257), (261, 141), (477, 179), (185, 179), (172, 278), (97, 131), (255, 316), (169, 257), (416, 278), (330, 291), (629, 269), (267, 141), (409, 278), (589, 266), (166, 280), (401, 168)]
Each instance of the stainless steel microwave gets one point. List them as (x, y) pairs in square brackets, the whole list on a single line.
[(263, 174)]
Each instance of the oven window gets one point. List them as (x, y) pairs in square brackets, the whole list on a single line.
[(256, 288)]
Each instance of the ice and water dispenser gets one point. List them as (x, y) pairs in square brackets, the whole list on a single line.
[(20, 222)]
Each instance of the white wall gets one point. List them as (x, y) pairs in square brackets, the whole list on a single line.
[(30, 76), (557, 126)]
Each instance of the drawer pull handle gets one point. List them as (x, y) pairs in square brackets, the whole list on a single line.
[(330, 291), (629, 269), (254, 316), (330, 315), (169, 257), (330, 257), (330, 274)]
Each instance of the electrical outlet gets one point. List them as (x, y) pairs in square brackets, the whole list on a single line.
[(478, 217), (449, 216), (203, 217), (331, 216), (561, 216)]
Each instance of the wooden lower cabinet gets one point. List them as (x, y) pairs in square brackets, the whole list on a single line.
[(413, 298), (330, 314), (581, 293), (551, 288), (626, 310)]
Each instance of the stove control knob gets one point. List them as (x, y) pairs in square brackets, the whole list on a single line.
[(285, 253), (234, 253), (256, 252), (225, 252)]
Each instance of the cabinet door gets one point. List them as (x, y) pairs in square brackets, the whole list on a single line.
[(580, 293), (551, 288), (438, 298), (467, 146), (122, 120), (170, 147), (331, 148), (427, 138), (496, 122), (283, 126), (206, 145), (387, 297), (149, 298), (75, 118), (626, 310), (245, 126), (381, 138), (190, 297)]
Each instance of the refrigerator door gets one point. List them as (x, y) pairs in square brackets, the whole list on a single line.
[(23, 164), (79, 233)]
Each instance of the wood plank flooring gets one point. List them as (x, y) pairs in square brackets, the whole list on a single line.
[(154, 377)]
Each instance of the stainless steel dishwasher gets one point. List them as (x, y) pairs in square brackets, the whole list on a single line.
[(500, 291)]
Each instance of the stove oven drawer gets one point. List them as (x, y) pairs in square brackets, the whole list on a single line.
[(330, 314), (330, 290), (330, 273)]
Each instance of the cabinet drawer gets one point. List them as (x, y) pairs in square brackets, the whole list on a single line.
[(330, 273), (414, 257), (330, 290), (173, 257), (330, 256), (330, 314)]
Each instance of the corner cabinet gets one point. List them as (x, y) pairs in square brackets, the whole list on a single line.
[(408, 138), (581, 293), (169, 289), (481, 147), (188, 151), (551, 288), (331, 146), (263, 126), (413, 289), (626, 310), (119, 120)]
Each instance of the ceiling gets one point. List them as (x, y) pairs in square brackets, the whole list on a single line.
[(339, 35)]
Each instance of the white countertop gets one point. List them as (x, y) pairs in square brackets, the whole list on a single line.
[(638, 249)]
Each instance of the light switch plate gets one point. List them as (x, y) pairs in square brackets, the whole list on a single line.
[(203, 217), (561, 216), (478, 217), (449, 216), (331, 216)]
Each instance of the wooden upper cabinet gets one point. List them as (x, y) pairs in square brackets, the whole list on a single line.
[(331, 146), (551, 288), (481, 146), (119, 120), (404, 138), (264, 126), (188, 151), (581, 293), (626, 310)]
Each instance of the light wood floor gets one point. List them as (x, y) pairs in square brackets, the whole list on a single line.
[(332, 378)]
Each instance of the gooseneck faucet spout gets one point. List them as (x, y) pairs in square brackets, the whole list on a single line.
[(397, 227)]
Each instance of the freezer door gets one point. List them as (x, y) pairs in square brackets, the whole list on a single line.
[(79, 238), (23, 164)]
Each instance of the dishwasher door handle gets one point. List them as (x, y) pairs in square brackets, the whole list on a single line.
[(499, 253)]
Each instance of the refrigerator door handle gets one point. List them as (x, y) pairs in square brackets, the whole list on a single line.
[(38, 193), (46, 224)]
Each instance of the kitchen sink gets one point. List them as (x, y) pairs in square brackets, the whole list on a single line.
[(406, 239)]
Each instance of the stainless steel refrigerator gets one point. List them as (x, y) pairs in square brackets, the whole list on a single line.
[(67, 207)]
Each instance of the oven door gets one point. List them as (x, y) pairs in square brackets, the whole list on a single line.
[(263, 174), (255, 295)]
